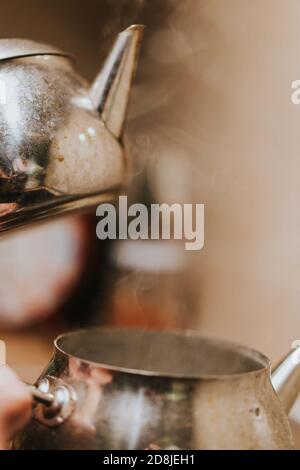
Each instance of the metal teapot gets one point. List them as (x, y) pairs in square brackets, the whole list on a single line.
[(60, 139), (142, 389)]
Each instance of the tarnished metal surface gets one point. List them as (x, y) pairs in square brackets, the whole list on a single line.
[(140, 389), (54, 144)]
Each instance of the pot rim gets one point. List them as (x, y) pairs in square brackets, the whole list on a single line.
[(263, 362)]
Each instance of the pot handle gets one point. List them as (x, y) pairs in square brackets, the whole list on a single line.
[(53, 400), (38, 396), (286, 378)]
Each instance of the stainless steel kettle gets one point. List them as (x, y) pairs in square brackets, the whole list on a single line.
[(140, 389), (60, 138)]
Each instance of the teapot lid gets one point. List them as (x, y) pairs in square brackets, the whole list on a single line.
[(14, 48)]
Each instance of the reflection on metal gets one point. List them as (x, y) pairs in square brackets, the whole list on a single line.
[(110, 90)]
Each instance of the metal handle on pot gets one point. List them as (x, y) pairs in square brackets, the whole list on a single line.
[(53, 400), (38, 396)]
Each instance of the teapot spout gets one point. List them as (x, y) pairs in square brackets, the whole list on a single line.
[(286, 378), (109, 92)]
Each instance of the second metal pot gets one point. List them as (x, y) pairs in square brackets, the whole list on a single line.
[(142, 389)]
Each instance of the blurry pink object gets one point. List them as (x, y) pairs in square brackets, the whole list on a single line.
[(39, 267)]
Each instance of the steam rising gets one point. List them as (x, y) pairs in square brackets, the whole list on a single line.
[(213, 98)]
